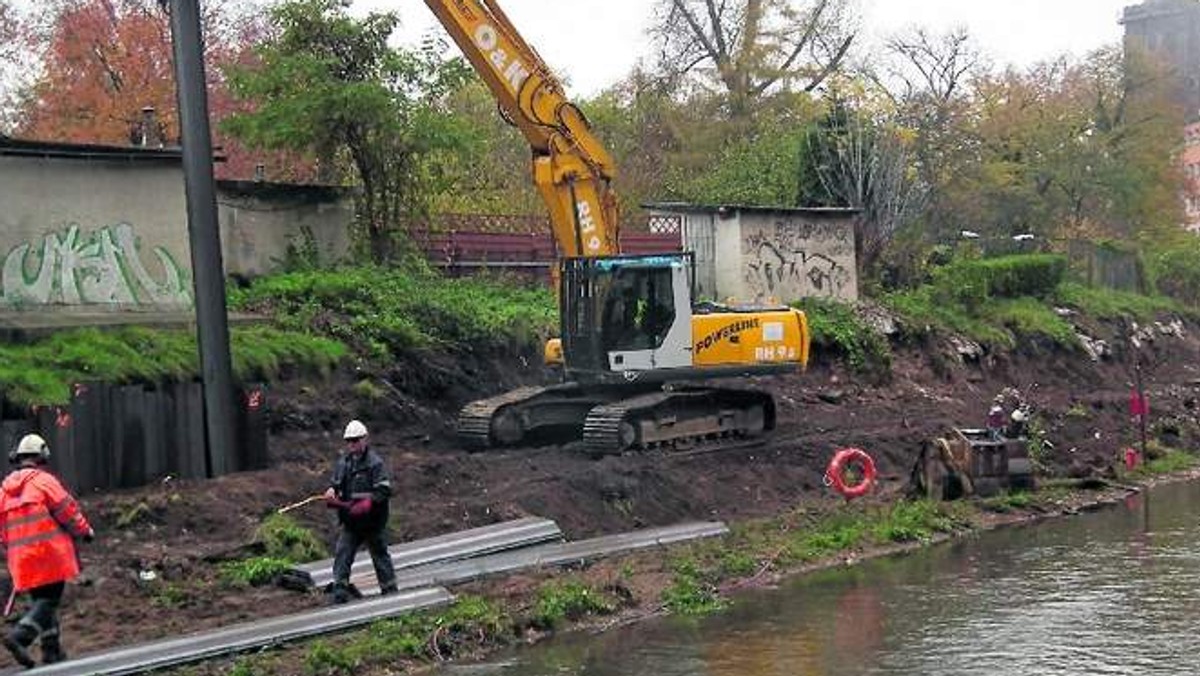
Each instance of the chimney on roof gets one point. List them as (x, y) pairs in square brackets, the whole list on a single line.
[(148, 132)]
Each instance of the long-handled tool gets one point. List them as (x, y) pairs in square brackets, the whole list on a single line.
[(298, 505), (12, 597)]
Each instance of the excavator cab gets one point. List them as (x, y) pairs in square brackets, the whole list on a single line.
[(625, 315)]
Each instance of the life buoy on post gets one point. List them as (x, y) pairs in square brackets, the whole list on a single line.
[(836, 473)]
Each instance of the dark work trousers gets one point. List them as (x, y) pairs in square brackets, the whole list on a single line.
[(42, 616), (347, 546)]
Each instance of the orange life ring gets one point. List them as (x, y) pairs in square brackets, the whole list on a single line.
[(837, 470)]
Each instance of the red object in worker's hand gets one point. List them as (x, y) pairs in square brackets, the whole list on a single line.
[(360, 507), (334, 503)]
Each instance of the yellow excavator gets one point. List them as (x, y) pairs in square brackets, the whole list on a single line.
[(633, 343)]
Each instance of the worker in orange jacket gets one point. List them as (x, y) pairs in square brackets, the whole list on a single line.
[(39, 521)]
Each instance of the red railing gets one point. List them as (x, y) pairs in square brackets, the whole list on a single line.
[(526, 254)]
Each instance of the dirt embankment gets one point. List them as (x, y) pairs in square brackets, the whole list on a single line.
[(177, 532)]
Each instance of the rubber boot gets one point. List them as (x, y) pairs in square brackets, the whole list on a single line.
[(52, 650), (18, 641), (388, 589), (341, 594)]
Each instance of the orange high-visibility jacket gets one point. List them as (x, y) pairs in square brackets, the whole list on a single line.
[(38, 518)]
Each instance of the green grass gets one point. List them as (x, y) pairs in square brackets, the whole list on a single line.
[(382, 312), (1007, 502), (570, 600), (1101, 303), (44, 372), (799, 538), (921, 313), (1170, 461), (1029, 317), (425, 636)]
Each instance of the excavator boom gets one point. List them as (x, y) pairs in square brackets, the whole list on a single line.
[(571, 168)]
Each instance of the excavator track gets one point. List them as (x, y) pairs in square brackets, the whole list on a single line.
[(673, 419), (483, 424)]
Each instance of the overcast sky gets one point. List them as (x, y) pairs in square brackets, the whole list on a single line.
[(593, 43)]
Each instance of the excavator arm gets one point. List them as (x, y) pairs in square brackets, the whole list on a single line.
[(571, 169)]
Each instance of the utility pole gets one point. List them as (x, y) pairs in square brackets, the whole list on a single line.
[(208, 272)]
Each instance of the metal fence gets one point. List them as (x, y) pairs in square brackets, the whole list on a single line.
[(530, 255), (123, 436), (525, 224), (1098, 265)]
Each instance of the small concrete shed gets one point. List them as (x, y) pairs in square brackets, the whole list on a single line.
[(768, 254)]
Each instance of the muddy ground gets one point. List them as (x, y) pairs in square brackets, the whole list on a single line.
[(179, 531)]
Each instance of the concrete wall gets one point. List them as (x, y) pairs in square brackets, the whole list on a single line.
[(100, 231), (771, 255), (97, 232), (260, 222), (791, 255)]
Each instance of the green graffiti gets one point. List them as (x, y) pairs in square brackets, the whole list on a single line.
[(104, 268)]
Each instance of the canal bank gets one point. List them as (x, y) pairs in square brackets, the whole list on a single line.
[(636, 594), (1110, 591)]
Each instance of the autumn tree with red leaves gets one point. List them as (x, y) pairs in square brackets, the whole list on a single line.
[(105, 61)]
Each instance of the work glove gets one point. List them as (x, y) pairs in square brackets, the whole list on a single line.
[(360, 507)]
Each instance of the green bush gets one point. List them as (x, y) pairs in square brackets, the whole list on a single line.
[(836, 327), (254, 572), (970, 283), (1176, 273), (1036, 275), (284, 538)]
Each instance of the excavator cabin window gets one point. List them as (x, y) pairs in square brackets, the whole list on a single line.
[(638, 309)]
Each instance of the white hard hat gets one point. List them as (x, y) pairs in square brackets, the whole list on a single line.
[(355, 430), (1019, 415), (31, 444)]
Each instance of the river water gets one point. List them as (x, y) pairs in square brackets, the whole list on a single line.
[(1110, 592)]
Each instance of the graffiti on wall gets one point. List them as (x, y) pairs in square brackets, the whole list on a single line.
[(790, 260), (104, 267)]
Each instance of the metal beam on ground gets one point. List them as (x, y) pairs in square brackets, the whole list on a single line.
[(243, 637), (557, 554), (449, 547)]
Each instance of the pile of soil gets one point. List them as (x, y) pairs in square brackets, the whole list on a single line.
[(152, 572)]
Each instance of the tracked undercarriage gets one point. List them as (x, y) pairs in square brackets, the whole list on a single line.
[(615, 419)]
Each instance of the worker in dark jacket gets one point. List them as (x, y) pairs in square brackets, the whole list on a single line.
[(39, 521), (360, 490)]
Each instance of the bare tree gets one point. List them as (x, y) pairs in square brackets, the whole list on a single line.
[(929, 79), (932, 66), (863, 161), (747, 47)]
